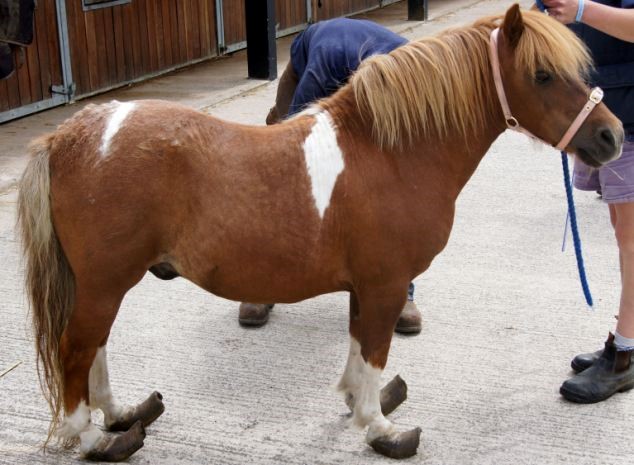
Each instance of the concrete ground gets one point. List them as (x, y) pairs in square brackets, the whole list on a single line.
[(502, 306)]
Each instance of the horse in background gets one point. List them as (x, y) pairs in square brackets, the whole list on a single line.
[(355, 194)]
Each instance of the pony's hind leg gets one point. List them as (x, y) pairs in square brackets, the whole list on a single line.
[(371, 328), (118, 417), (81, 349)]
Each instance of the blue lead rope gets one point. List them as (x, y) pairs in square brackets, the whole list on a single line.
[(575, 230), (572, 215)]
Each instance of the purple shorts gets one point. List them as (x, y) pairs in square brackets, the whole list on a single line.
[(615, 181)]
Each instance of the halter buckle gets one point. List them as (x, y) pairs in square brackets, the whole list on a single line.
[(596, 95)]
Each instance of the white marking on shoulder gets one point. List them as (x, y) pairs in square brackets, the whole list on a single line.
[(324, 160), (120, 113)]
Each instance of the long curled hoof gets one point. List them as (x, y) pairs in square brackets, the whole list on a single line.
[(146, 412), (398, 445), (117, 447), (393, 394)]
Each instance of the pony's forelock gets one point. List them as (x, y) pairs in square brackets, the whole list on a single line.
[(551, 46), (442, 83)]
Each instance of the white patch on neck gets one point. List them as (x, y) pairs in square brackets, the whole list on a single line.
[(122, 110), (324, 160)]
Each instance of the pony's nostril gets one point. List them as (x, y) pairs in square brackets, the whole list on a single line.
[(607, 138)]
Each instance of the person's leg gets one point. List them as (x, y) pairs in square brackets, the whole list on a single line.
[(285, 91), (624, 231), (410, 321), (613, 370)]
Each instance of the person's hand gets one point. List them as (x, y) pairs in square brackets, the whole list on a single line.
[(564, 11)]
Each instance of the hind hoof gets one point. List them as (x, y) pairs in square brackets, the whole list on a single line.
[(398, 445), (146, 412), (117, 447), (393, 394)]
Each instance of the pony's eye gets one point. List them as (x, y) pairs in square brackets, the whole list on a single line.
[(542, 77)]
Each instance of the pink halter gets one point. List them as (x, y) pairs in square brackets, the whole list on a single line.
[(511, 122)]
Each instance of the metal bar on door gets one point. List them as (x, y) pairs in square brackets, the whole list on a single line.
[(220, 28), (309, 12), (64, 51)]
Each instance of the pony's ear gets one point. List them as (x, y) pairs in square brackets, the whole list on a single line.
[(513, 25)]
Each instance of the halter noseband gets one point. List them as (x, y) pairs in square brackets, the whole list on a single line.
[(511, 122)]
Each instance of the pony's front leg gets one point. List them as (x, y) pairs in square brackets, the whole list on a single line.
[(392, 394), (371, 329)]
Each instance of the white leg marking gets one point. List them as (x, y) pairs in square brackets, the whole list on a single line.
[(89, 438), (380, 427), (324, 160), (76, 423), (361, 383), (121, 111), (100, 392), (367, 410), (351, 378)]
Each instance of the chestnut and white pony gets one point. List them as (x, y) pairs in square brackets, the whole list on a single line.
[(355, 194)]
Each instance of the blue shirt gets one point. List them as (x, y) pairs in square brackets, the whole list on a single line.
[(327, 53), (614, 60)]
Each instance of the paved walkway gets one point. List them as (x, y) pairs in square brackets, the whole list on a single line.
[(502, 306)]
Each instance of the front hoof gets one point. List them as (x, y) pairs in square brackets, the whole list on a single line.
[(392, 395), (398, 445), (118, 447), (146, 412)]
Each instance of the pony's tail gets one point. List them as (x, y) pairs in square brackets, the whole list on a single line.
[(50, 283)]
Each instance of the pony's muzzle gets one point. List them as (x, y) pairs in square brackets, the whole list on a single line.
[(611, 141), (604, 144)]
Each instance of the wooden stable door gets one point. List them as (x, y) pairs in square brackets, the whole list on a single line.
[(38, 69), (132, 41)]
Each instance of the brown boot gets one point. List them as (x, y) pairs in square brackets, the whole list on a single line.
[(410, 321), (254, 314)]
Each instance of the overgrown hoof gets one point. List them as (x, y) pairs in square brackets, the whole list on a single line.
[(118, 447), (146, 412), (398, 445), (393, 394)]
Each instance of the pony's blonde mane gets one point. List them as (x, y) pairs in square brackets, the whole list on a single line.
[(443, 83)]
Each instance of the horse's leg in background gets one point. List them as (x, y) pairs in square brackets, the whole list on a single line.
[(392, 395), (373, 316), (118, 417), (96, 306)]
